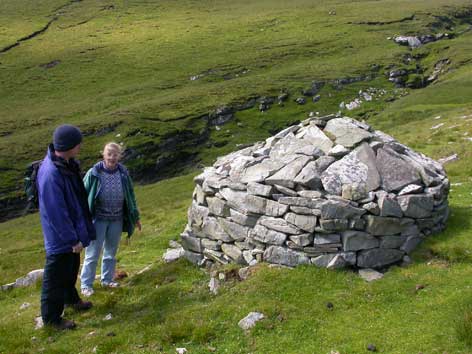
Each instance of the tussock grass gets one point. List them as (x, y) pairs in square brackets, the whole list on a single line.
[(464, 324)]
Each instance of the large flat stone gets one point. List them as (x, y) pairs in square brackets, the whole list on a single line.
[(330, 225), (378, 257), (216, 256), (346, 132), (392, 241), (217, 206), (395, 172), (383, 226), (302, 202), (233, 252), (316, 137), (286, 175), (235, 231), (279, 224), (191, 243), (259, 189), (255, 204), (389, 206), (243, 219), (274, 208), (211, 244), (261, 171), (284, 256), (287, 191), (416, 205), (193, 257), (309, 176), (263, 234), (411, 243), (302, 240), (326, 239), (322, 261), (288, 145), (235, 199), (212, 228), (356, 167), (303, 222), (199, 195), (333, 209), (197, 214), (358, 240)]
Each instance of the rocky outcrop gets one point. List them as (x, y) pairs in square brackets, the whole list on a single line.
[(329, 191)]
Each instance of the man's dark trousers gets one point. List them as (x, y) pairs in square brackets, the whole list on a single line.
[(60, 276)]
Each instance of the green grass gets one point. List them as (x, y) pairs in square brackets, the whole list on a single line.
[(129, 67)]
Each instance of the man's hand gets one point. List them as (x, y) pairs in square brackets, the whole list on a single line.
[(138, 225), (78, 247)]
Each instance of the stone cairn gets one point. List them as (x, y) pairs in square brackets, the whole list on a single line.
[(329, 191)]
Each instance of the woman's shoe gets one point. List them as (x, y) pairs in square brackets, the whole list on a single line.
[(87, 292)]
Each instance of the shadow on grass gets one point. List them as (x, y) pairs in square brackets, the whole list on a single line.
[(454, 243)]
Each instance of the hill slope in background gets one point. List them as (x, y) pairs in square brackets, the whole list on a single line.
[(157, 76), (152, 75)]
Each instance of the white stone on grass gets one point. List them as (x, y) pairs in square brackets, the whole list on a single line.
[(173, 254), (250, 320), (30, 278), (370, 275), (25, 305), (214, 285), (38, 322)]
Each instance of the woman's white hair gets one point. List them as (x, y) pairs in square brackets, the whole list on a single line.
[(113, 147)]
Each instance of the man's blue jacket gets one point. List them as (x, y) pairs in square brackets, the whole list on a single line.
[(63, 207)]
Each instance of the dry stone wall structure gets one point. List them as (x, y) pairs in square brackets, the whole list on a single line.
[(329, 191)]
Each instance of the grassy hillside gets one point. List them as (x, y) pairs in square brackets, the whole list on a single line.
[(124, 67)]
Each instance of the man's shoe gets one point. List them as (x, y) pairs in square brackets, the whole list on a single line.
[(81, 305), (64, 325)]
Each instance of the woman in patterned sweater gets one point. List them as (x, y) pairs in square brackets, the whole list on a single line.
[(113, 206)]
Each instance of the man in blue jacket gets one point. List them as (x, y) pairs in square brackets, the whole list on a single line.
[(67, 225)]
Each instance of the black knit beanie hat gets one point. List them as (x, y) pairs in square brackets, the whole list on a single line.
[(66, 137)]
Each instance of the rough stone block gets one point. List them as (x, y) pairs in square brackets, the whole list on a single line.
[(358, 240), (303, 222), (191, 243), (281, 255), (264, 235), (378, 257)]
